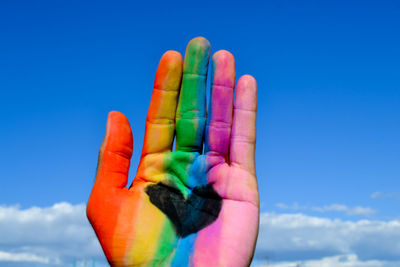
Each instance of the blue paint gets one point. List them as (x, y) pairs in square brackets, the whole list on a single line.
[(184, 250)]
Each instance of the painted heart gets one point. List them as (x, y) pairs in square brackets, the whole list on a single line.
[(189, 215)]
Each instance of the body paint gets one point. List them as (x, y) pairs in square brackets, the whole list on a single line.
[(191, 111), (182, 212), (189, 215)]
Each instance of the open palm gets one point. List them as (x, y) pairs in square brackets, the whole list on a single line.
[(193, 206)]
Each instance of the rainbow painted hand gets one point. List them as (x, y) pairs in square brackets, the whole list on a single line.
[(191, 206)]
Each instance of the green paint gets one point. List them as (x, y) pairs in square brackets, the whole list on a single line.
[(166, 248), (191, 111), (196, 56), (190, 123)]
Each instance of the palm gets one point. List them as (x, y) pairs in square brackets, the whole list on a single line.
[(184, 207)]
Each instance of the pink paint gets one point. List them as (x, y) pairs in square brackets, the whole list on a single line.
[(230, 239)]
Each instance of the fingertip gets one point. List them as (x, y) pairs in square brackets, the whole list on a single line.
[(197, 56), (172, 57), (116, 117), (222, 55), (199, 43), (246, 93), (114, 113), (248, 81), (169, 71), (223, 68), (118, 129)]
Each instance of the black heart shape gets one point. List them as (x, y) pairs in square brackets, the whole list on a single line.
[(190, 215)]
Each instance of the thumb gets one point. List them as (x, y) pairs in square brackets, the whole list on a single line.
[(115, 152)]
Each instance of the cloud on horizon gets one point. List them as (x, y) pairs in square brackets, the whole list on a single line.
[(299, 237), (353, 211), (349, 260), (54, 235), (385, 195), (61, 235)]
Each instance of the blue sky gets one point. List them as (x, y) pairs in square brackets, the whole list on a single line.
[(328, 104)]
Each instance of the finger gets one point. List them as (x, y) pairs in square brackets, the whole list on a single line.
[(115, 152), (160, 122), (243, 136), (219, 120), (191, 112)]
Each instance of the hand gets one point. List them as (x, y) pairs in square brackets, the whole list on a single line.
[(186, 207)]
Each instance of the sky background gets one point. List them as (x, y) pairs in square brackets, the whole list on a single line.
[(328, 122)]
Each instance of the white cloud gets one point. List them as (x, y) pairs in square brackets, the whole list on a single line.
[(361, 211), (358, 210), (385, 195), (290, 237), (61, 235), (364, 211), (376, 194), (23, 257), (52, 235), (333, 207), (349, 260)]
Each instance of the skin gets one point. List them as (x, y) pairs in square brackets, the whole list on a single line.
[(215, 151)]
